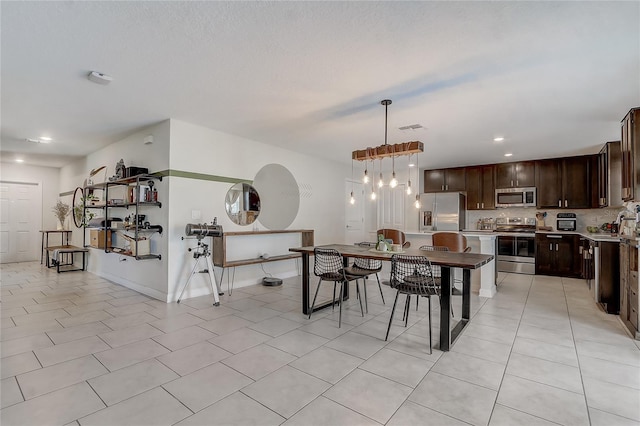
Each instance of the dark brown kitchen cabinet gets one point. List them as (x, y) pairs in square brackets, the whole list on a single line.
[(515, 175), (444, 180), (609, 175), (480, 188), (630, 151), (558, 255), (629, 285), (565, 182)]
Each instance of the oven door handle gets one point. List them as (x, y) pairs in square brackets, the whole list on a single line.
[(554, 236)]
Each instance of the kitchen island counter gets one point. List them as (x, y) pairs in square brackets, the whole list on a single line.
[(483, 242)]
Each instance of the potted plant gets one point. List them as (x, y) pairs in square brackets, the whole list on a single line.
[(61, 210), (82, 217)]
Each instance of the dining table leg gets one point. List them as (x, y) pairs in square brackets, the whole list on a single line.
[(445, 308), (305, 284)]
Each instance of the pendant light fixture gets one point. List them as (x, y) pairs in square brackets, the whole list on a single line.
[(386, 150)]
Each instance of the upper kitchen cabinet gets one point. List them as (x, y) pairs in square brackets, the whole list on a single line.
[(565, 182), (480, 188), (630, 152), (444, 180), (515, 175), (609, 175)]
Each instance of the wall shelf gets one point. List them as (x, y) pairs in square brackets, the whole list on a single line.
[(135, 232)]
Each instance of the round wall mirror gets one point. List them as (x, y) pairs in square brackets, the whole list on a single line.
[(280, 196), (242, 203)]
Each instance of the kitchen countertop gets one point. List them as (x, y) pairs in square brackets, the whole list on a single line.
[(598, 236)]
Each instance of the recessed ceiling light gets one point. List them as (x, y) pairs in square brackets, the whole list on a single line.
[(498, 139), (19, 160), (38, 140), (45, 138), (508, 154)]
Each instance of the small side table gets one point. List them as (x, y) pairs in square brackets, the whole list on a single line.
[(64, 239)]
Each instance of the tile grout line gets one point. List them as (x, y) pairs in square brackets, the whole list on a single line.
[(575, 346), (531, 282)]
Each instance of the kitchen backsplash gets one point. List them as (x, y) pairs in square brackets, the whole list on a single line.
[(584, 217)]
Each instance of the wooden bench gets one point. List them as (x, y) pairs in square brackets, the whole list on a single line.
[(62, 256)]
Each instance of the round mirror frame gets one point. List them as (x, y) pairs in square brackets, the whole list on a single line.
[(242, 204)]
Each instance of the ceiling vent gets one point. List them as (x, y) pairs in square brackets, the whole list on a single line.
[(411, 127)]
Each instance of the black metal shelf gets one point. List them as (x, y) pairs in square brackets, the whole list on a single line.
[(132, 182)]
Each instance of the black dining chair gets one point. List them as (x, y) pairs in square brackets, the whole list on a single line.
[(437, 272), (363, 268), (328, 267), (412, 275)]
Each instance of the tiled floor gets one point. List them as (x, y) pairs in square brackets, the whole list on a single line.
[(77, 349)]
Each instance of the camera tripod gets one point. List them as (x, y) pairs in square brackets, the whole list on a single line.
[(202, 251)]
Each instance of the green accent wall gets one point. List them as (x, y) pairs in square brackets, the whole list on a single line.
[(187, 175), (201, 176)]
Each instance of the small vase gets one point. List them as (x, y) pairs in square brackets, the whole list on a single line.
[(60, 226)]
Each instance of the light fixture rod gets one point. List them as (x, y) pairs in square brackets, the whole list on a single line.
[(386, 104)]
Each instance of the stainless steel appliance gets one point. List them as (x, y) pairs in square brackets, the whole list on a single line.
[(442, 211), (516, 197), (566, 222), (516, 245)]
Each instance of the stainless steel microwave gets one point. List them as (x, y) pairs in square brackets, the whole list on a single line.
[(516, 197)]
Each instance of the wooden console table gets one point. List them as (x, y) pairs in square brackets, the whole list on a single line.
[(220, 247), (220, 250)]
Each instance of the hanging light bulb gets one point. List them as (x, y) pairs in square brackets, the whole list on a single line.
[(417, 203), (373, 189), (352, 199), (409, 190), (393, 182), (365, 179), (381, 180)]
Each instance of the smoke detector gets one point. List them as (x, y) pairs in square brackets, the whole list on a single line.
[(98, 77)]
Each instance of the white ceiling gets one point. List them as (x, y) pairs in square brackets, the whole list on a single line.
[(553, 78)]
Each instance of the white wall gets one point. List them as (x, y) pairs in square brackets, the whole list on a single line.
[(47, 177), (200, 150), (148, 276)]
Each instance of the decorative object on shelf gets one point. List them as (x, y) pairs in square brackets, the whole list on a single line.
[(384, 151), (121, 171), (89, 181), (61, 210)]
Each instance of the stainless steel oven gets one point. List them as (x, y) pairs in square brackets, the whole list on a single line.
[(516, 245), (517, 253)]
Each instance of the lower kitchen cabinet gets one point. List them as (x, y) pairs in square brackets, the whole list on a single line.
[(629, 285), (558, 255)]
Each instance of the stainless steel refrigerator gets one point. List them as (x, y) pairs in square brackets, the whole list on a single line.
[(442, 211)]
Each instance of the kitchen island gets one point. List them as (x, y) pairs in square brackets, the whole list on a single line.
[(483, 242)]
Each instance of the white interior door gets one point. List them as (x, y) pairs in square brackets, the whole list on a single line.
[(391, 206), (354, 213), (20, 221)]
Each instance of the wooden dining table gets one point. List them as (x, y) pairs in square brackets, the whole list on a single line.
[(446, 260)]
